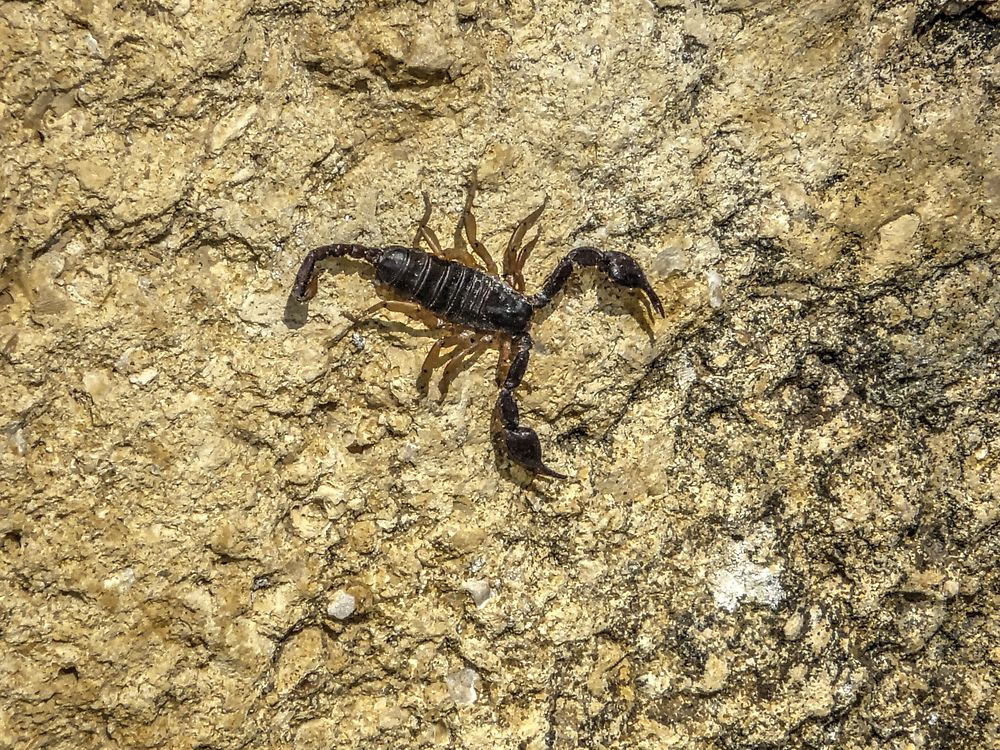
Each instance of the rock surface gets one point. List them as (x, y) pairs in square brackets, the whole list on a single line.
[(781, 523)]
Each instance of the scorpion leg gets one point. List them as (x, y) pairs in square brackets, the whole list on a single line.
[(522, 258), (424, 232), (411, 309), (513, 261), (434, 359), (619, 267), (462, 255), (522, 444), (503, 361), (304, 288), (460, 360), (467, 224)]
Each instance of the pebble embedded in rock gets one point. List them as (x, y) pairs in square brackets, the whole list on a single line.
[(341, 605), (479, 590), (463, 686)]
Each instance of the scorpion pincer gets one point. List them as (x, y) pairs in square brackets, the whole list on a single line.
[(447, 290)]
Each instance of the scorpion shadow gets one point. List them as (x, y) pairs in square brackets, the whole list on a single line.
[(296, 312)]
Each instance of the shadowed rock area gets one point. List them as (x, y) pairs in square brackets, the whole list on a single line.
[(229, 520)]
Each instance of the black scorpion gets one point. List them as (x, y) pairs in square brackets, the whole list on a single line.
[(446, 290)]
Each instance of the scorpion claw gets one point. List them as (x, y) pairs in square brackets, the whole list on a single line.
[(622, 269), (524, 449), (653, 299)]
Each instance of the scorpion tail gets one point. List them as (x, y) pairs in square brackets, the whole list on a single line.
[(305, 280)]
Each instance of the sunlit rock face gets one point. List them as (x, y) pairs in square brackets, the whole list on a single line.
[(230, 520)]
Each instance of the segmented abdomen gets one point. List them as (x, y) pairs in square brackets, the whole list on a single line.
[(453, 291)]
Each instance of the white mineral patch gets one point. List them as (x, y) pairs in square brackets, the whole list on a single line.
[(686, 374), (121, 580), (96, 383), (897, 236), (145, 377), (741, 578), (19, 441), (714, 288), (463, 686), (342, 605), (231, 127), (669, 259), (92, 46), (261, 308), (121, 364)]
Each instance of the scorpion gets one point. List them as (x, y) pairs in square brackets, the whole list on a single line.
[(475, 305)]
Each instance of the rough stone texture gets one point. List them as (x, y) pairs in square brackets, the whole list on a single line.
[(781, 526)]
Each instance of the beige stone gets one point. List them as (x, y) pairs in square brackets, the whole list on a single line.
[(227, 520)]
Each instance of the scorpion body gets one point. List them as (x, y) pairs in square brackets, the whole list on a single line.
[(454, 292), (445, 289)]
